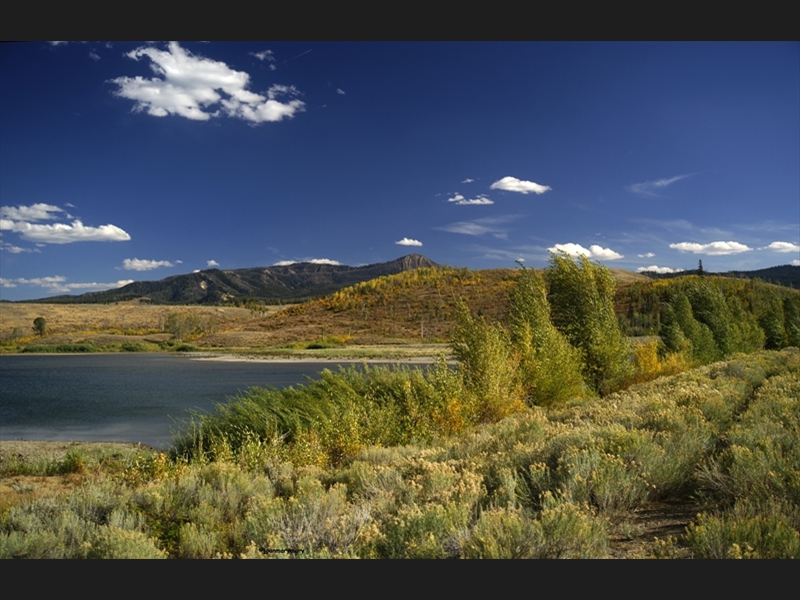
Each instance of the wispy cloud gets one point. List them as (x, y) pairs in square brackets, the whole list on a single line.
[(8, 247), (512, 184), (712, 249), (478, 227), (94, 56), (647, 188), (187, 85), (646, 255), (656, 269), (408, 242), (481, 199), (594, 251), (782, 247), (468, 180), (266, 55), (137, 264), (340, 91), (212, 264)]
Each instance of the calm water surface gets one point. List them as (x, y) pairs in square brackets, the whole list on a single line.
[(125, 397)]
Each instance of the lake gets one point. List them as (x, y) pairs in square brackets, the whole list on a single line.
[(125, 397)]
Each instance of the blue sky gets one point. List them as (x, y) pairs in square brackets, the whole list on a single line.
[(137, 161)]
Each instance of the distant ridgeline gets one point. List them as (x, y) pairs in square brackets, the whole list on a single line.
[(788, 275), (271, 285)]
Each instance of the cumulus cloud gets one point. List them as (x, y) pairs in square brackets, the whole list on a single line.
[(63, 233), (481, 199), (512, 184), (468, 180), (313, 261), (594, 251), (408, 242), (23, 220), (212, 263), (657, 269), (58, 285), (188, 85), (796, 262), (646, 188), (646, 255), (782, 247), (137, 264), (712, 249)]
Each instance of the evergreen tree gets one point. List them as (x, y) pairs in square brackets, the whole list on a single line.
[(772, 322), (791, 315), (681, 332)]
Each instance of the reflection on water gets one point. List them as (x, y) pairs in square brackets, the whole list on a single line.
[(124, 397)]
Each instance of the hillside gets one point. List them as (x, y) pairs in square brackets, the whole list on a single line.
[(272, 285), (418, 305)]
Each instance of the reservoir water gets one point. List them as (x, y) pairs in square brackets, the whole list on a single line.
[(125, 397)]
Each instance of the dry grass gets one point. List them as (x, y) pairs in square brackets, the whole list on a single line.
[(122, 320)]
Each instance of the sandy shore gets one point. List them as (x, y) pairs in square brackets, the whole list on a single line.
[(423, 360)]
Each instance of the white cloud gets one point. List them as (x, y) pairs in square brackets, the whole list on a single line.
[(62, 233), (656, 269), (512, 184), (712, 249), (481, 199), (136, 264), (187, 85), (93, 55), (646, 188), (594, 251), (22, 220), (796, 262), (313, 261), (646, 255), (267, 55), (340, 91), (35, 212), (212, 263), (468, 180), (5, 246), (409, 242), (58, 285), (478, 227), (782, 247), (7, 283)]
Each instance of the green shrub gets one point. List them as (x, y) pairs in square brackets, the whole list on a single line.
[(582, 303)]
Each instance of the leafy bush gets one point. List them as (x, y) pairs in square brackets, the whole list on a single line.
[(582, 301)]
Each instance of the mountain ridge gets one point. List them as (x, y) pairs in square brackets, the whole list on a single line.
[(293, 282)]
